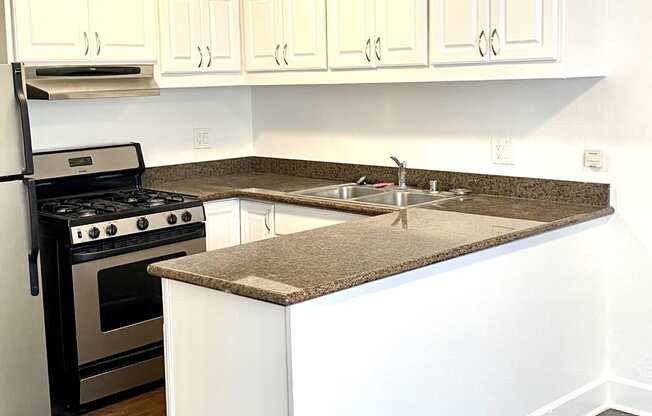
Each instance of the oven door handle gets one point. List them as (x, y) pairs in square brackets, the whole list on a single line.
[(85, 255)]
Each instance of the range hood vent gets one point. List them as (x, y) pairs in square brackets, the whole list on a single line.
[(92, 81)]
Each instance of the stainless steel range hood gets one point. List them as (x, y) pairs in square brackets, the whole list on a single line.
[(92, 81)]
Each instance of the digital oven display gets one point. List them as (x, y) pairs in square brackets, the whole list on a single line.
[(80, 161)]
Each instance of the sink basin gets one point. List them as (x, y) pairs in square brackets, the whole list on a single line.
[(342, 192), (400, 198)]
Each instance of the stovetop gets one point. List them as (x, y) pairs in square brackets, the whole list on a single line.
[(127, 201)]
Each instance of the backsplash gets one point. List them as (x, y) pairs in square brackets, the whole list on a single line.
[(551, 190)]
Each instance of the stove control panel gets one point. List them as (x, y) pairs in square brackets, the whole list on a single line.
[(134, 225)]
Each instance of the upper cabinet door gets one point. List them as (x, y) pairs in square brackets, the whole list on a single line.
[(401, 33), (221, 34), (123, 30), (524, 30), (181, 40), (351, 33), (49, 30), (263, 22), (459, 31), (305, 34)]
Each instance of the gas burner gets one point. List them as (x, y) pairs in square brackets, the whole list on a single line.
[(86, 212), (155, 202)]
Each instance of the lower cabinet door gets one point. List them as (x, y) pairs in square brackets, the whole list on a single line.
[(256, 221), (290, 219), (222, 224)]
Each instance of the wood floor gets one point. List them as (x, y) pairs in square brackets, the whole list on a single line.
[(153, 404), (147, 404)]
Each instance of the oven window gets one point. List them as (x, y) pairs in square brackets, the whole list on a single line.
[(128, 295)]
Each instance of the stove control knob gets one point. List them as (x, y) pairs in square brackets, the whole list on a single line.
[(111, 229), (172, 219), (186, 216), (142, 223), (94, 233)]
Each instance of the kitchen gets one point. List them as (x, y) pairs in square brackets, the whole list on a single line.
[(248, 137)]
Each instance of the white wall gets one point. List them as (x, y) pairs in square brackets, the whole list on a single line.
[(450, 126), (163, 125)]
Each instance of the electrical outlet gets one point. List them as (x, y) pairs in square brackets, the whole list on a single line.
[(201, 138), (502, 151)]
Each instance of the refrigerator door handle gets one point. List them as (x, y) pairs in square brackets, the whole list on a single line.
[(32, 257), (21, 97)]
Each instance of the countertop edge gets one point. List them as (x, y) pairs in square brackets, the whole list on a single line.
[(372, 275)]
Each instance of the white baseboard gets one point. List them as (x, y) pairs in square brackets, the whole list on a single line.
[(630, 396), (588, 400)]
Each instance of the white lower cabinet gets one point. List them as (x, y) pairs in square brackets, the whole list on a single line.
[(256, 221), (231, 222), (222, 223), (291, 219)]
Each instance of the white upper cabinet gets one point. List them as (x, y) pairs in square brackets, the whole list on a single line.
[(524, 30), (401, 33), (305, 34), (221, 33), (263, 34), (181, 36), (85, 30), (351, 28), (285, 34), (200, 36), (49, 30), (377, 33), (123, 30), (459, 31)]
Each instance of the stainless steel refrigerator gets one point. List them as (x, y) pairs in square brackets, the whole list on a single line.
[(23, 365)]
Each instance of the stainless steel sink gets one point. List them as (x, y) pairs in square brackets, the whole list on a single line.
[(342, 192), (368, 195), (401, 198)]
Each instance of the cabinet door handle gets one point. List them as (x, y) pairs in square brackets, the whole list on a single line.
[(269, 230), (495, 35), (367, 50), (276, 54), (378, 48), (285, 54), (99, 43), (210, 56), (87, 43), (201, 57), (482, 36)]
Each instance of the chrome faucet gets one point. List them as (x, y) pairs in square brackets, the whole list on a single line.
[(402, 172)]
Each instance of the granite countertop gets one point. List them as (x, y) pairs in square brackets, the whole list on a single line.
[(266, 186), (291, 269)]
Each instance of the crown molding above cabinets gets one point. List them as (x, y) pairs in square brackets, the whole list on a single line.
[(198, 43)]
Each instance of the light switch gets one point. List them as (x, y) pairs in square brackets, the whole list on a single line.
[(593, 159)]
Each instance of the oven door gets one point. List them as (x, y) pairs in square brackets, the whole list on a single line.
[(117, 304)]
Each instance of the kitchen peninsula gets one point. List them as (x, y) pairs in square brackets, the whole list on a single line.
[(405, 312)]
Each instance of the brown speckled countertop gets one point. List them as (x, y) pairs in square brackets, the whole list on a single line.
[(291, 269), (264, 186)]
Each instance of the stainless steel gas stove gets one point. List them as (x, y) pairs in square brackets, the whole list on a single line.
[(99, 230)]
